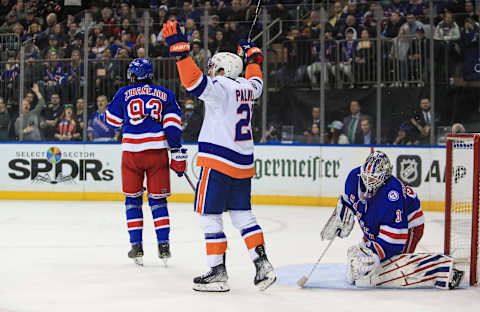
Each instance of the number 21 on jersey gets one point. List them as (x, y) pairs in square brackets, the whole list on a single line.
[(243, 131)]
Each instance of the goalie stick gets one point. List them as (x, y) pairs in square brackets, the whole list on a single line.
[(301, 282)]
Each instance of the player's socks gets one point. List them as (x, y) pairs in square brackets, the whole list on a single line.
[(134, 219), (161, 220), (253, 237), (214, 280), (265, 276)]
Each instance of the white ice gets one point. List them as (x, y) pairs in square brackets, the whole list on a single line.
[(72, 256)]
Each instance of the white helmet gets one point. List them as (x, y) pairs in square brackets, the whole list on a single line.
[(231, 63)]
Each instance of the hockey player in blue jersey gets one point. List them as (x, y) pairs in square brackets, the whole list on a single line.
[(384, 207), (151, 124)]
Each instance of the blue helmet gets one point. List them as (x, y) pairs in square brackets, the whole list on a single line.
[(142, 68)]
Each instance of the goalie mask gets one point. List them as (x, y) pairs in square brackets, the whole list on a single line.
[(376, 170), (231, 64)]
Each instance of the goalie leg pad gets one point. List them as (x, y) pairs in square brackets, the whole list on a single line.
[(340, 222)]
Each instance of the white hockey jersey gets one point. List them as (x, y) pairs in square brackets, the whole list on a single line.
[(225, 142)]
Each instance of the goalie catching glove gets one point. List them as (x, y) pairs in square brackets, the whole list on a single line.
[(176, 39), (340, 222), (253, 53), (179, 160)]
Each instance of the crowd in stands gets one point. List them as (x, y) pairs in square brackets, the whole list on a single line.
[(53, 34)]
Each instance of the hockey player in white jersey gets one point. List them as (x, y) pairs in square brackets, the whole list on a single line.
[(225, 154), (390, 216)]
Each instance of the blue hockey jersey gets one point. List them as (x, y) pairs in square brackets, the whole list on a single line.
[(149, 116), (384, 217)]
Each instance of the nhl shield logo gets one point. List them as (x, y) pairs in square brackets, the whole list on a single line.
[(409, 169)]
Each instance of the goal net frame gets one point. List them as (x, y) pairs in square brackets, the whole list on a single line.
[(470, 262)]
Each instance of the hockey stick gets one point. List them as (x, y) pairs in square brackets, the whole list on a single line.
[(257, 11), (189, 181), (301, 282)]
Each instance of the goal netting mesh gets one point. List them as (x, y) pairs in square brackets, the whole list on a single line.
[(462, 189)]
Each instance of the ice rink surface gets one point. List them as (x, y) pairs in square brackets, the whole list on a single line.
[(72, 256)]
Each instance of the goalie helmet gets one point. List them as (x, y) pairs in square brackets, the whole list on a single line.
[(376, 170), (231, 63), (142, 68)]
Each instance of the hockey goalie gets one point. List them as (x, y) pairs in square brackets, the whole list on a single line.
[(392, 222)]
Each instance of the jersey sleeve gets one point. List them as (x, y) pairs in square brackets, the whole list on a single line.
[(351, 188), (172, 122), (198, 84), (413, 209), (393, 233), (254, 76), (115, 111)]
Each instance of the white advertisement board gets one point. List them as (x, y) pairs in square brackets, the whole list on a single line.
[(281, 170)]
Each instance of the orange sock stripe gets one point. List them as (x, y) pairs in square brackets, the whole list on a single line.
[(253, 70), (202, 190), (254, 240), (216, 248), (189, 72)]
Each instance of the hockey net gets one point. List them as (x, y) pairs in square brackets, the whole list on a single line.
[(462, 202)]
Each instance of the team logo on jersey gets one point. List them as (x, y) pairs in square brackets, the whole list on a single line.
[(352, 198), (409, 169), (393, 195)]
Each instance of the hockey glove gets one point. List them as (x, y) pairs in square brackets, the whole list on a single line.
[(253, 53), (179, 160), (176, 39), (340, 222)]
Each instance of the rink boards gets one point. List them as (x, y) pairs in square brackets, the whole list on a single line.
[(285, 174)]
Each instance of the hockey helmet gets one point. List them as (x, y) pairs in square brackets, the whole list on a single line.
[(231, 63), (376, 170), (142, 68)]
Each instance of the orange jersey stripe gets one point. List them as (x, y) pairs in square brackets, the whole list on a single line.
[(254, 240), (189, 72), (253, 70), (202, 190), (224, 168), (216, 248)]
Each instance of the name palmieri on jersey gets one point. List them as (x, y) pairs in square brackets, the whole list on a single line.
[(145, 90)]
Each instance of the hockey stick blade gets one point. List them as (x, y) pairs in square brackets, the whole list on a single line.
[(301, 282)]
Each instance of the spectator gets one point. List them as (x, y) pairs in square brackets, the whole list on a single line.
[(422, 121), (100, 46), (403, 43), (74, 76), (124, 43), (365, 61), (336, 17), (456, 128), (314, 69), (417, 57), (470, 40), (53, 77), (98, 129), (219, 44), (314, 119), (33, 70), (347, 55), (60, 35), (52, 46), (51, 116), (10, 77), (403, 136), (367, 134), (4, 121), (199, 54), (446, 36), (352, 121), (469, 11), (67, 129), (192, 119), (392, 27), (313, 135), (234, 31), (350, 23), (79, 107), (336, 135), (28, 124)]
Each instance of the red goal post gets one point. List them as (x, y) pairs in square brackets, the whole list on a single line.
[(462, 203)]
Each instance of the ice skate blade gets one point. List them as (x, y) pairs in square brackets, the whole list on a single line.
[(138, 261), (263, 285), (165, 262), (212, 287)]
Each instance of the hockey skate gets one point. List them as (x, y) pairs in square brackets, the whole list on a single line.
[(136, 253), (457, 276), (214, 280), (265, 275), (164, 252)]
